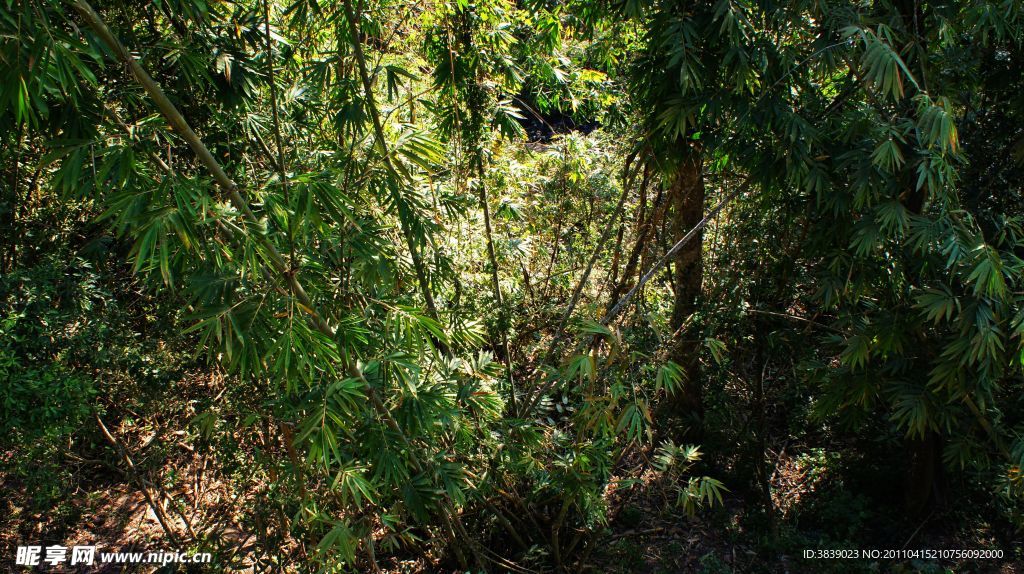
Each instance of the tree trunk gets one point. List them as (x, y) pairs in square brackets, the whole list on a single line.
[(925, 486), (686, 200)]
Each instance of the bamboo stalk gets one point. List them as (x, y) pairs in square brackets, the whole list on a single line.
[(277, 261), (496, 286), (396, 169), (278, 140)]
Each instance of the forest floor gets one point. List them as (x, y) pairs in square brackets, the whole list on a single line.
[(109, 511), (646, 531)]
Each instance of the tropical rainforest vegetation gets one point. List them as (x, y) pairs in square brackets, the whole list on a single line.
[(524, 286)]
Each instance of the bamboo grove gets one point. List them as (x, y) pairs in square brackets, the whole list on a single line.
[(468, 269)]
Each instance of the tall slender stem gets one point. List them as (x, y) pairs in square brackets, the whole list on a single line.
[(279, 141), (496, 286), (396, 169)]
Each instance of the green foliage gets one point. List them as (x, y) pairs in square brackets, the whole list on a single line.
[(674, 461), (426, 375)]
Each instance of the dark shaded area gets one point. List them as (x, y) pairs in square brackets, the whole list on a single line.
[(542, 127)]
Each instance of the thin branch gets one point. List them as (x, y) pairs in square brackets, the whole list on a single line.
[(279, 141), (614, 312), (395, 168), (133, 473), (794, 318), (578, 291)]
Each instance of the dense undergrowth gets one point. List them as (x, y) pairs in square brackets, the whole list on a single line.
[(497, 286)]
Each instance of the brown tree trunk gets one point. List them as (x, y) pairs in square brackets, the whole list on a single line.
[(686, 200), (925, 487)]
